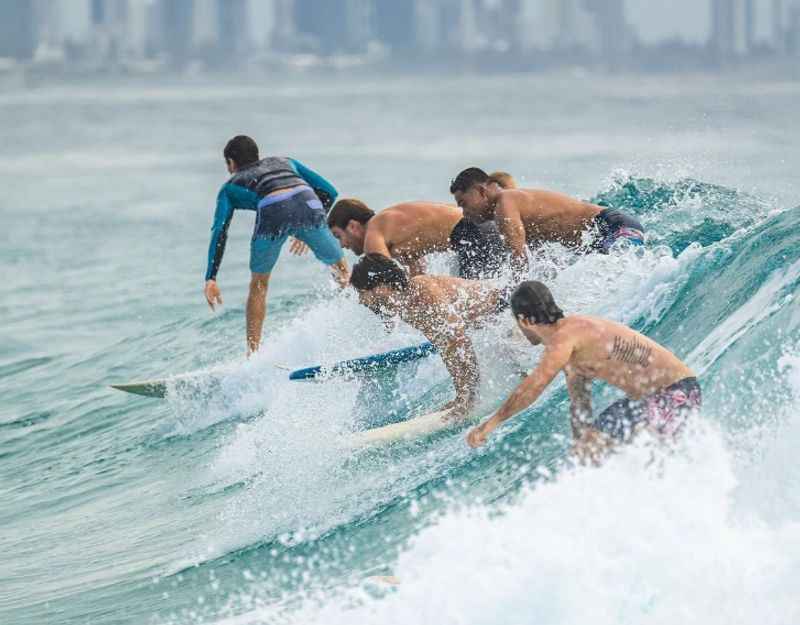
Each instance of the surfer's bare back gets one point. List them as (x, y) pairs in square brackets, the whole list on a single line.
[(662, 392)]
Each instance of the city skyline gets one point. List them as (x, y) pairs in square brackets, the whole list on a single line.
[(206, 34)]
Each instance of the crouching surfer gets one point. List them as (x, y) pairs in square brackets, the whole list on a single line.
[(662, 392), (443, 308)]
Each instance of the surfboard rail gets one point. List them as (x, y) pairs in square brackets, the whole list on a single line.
[(364, 364), (408, 430), (367, 363)]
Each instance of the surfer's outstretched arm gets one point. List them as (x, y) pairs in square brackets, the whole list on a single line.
[(509, 222), (340, 272), (555, 358)]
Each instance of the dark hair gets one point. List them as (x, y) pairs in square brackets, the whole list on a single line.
[(242, 150), (467, 179), (533, 300), (373, 270), (345, 210)]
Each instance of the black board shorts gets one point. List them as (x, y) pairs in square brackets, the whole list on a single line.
[(480, 249)]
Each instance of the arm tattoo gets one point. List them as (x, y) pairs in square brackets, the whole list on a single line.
[(632, 352)]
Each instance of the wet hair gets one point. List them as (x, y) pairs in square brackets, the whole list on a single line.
[(373, 270), (468, 179), (503, 179), (533, 301), (242, 150), (345, 210)]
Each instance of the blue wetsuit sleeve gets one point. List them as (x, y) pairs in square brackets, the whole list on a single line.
[(324, 189), (219, 233)]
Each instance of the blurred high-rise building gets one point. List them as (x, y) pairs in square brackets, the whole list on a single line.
[(226, 34), (685, 22), (616, 36), (335, 27), (449, 26), (743, 27), (395, 24), (540, 25), (18, 29), (176, 18), (233, 30), (579, 28)]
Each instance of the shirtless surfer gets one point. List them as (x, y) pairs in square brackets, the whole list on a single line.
[(406, 232), (480, 249), (529, 217), (443, 308), (662, 392)]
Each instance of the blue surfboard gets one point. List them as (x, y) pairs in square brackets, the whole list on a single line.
[(374, 363), (367, 363)]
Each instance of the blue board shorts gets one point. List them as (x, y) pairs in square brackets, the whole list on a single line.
[(298, 212)]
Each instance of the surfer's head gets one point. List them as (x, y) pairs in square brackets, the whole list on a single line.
[(348, 222), (379, 280), (533, 305), (239, 152), (475, 193), (503, 179)]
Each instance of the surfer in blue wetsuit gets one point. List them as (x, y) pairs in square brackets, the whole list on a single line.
[(529, 217), (289, 199), (662, 392)]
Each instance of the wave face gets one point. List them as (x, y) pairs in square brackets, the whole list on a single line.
[(235, 502), (511, 534), (290, 528)]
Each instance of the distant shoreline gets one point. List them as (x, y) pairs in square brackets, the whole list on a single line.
[(35, 76)]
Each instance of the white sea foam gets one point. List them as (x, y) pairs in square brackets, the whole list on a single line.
[(646, 538)]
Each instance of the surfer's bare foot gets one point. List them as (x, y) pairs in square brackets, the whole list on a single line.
[(457, 410)]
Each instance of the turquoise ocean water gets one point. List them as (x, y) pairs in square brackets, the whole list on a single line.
[(233, 501)]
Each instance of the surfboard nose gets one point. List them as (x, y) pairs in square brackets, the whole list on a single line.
[(154, 388)]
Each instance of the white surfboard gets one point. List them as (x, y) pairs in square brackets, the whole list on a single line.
[(411, 429)]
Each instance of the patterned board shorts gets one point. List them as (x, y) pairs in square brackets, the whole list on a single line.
[(664, 412)]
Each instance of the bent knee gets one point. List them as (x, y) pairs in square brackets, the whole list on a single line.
[(259, 282)]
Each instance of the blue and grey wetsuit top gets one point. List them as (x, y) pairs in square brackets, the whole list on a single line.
[(247, 188)]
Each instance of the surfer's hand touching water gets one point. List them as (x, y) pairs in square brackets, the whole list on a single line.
[(476, 437), (212, 293)]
